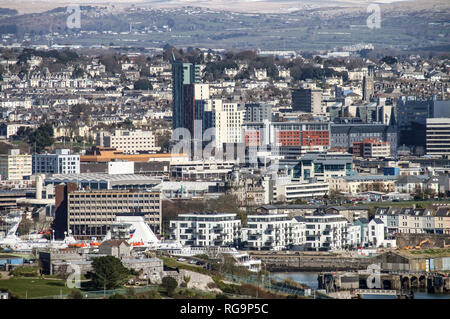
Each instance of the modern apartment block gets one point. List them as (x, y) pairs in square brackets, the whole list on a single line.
[(15, 166), (326, 231), (129, 141), (315, 231), (273, 232), (438, 136), (89, 213), (228, 123), (206, 229), (194, 96), (63, 162)]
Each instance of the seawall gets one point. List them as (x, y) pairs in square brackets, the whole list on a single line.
[(312, 262)]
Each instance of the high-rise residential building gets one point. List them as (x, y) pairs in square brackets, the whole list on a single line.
[(182, 74), (438, 136), (206, 229), (204, 116), (63, 162), (228, 122), (15, 166), (129, 142), (193, 108), (307, 99)]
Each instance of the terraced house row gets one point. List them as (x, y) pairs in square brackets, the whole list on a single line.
[(415, 220)]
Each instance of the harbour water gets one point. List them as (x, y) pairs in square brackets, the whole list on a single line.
[(310, 279)]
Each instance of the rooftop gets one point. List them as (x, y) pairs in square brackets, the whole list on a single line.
[(94, 177)]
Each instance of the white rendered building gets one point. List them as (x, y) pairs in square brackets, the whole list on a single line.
[(15, 166), (228, 122), (326, 231), (273, 232), (129, 141), (206, 229), (63, 162), (438, 136)]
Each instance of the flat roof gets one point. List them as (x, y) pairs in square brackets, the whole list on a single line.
[(369, 178), (96, 177)]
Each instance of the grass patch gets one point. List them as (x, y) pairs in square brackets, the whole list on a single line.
[(32, 287), (25, 271), (437, 252)]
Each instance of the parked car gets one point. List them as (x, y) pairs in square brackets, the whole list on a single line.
[(181, 259), (192, 262)]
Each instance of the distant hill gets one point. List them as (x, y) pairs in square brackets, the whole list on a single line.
[(263, 6), (296, 24)]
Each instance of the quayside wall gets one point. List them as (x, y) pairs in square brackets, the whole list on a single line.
[(312, 262)]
